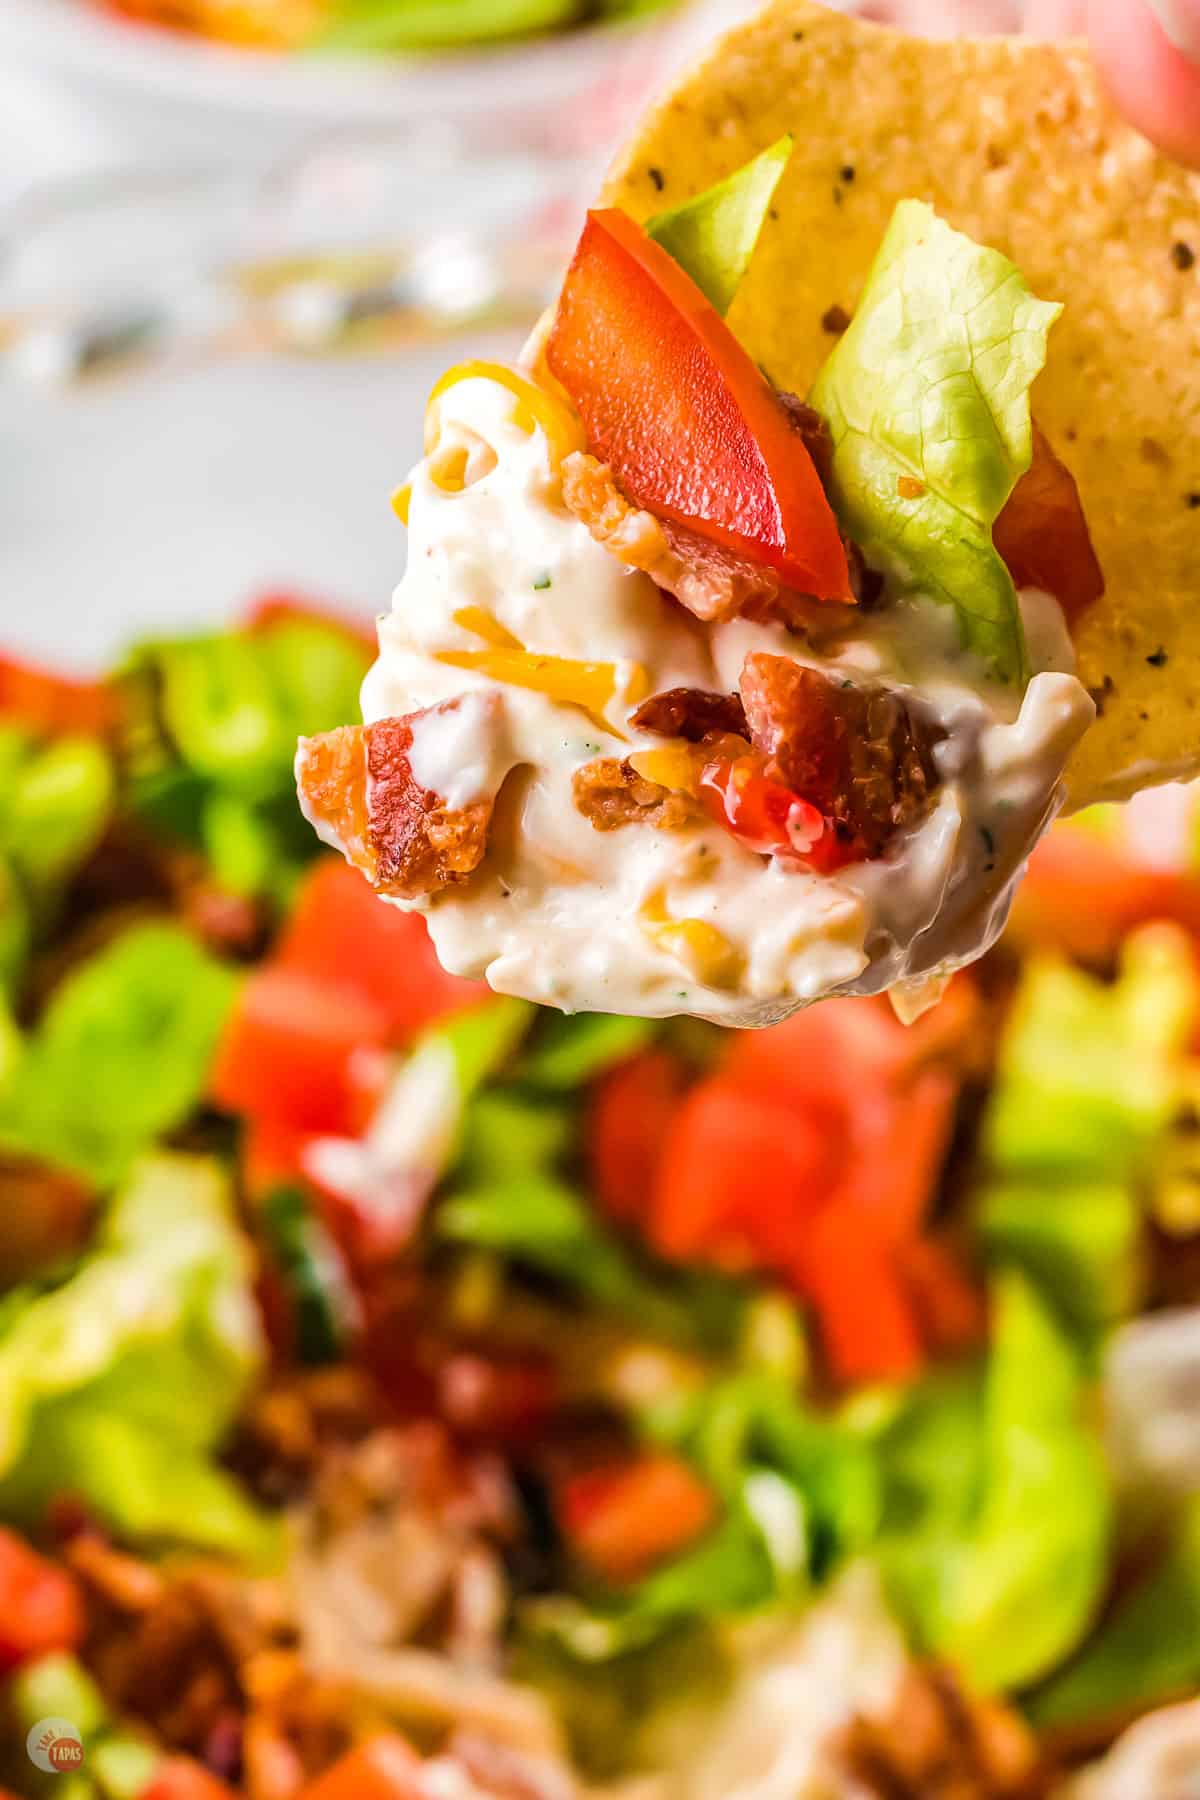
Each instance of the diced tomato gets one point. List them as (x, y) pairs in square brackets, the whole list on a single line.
[(691, 428), (624, 1520), (302, 1052), (179, 1778), (768, 817), (341, 931), (384, 1768), (1043, 536), (628, 1118), (741, 1174), (867, 1324), (283, 609), (53, 703), (1083, 894), (273, 1153), (40, 1605), (497, 1399)]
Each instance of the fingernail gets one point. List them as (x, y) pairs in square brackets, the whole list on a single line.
[(1180, 20)]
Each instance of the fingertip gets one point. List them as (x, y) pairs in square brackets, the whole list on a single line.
[(1154, 84)]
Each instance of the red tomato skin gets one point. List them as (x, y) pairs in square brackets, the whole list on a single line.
[(628, 1117), (1042, 534), (179, 1778), (624, 1519), (342, 931), (299, 1051), (770, 818), (41, 1608), (55, 704), (383, 1768), (740, 1175), (867, 1325), (669, 398), (1083, 895)]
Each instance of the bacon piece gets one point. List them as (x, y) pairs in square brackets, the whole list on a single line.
[(358, 790), (690, 713), (854, 752), (712, 582), (1043, 536), (610, 793)]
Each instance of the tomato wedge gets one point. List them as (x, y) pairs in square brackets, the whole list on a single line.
[(302, 1052), (624, 1519), (55, 704), (1043, 536), (341, 931), (40, 1605), (691, 428), (628, 1118)]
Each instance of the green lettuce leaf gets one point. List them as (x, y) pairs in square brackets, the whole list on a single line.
[(573, 1049), (927, 398), (1146, 1653), (1089, 1070), (359, 25), (1089, 1076), (1008, 1592), (54, 805), (712, 237), (119, 1384), (121, 1054)]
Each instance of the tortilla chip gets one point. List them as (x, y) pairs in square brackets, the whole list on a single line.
[(1013, 142)]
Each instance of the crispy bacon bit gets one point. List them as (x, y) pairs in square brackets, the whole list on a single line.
[(1043, 536), (609, 794), (358, 789), (810, 426), (855, 753), (938, 1743), (690, 713), (712, 582)]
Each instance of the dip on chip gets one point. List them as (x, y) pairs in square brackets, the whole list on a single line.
[(736, 659)]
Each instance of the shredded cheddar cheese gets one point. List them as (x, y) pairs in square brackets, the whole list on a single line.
[(535, 407), (485, 625), (590, 686)]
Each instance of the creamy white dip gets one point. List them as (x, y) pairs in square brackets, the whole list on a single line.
[(561, 913)]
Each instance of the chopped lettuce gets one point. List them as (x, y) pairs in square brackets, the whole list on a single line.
[(54, 805), (572, 1049), (118, 1385), (1010, 1590), (360, 25), (121, 1055), (1089, 1074), (1146, 1652), (713, 236), (927, 398), (1089, 1070)]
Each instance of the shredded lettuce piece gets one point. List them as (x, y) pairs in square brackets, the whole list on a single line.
[(119, 1384), (1009, 1591), (1089, 1070), (121, 1054), (1147, 1652), (1089, 1075), (360, 25), (927, 398), (573, 1049), (712, 237), (54, 804)]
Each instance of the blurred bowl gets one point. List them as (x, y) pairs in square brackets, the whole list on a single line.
[(193, 101)]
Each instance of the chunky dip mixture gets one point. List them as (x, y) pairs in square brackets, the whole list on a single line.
[(696, 698)]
